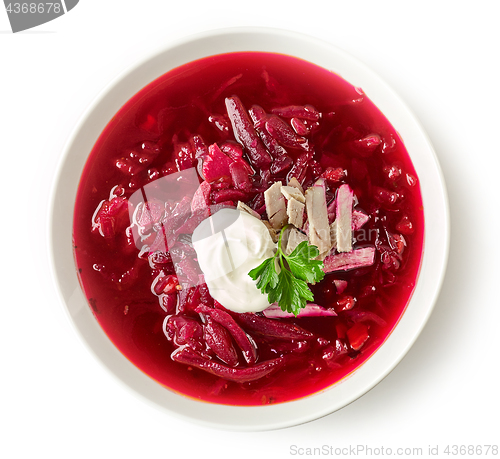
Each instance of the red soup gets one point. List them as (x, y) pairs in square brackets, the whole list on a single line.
[(224, 129)]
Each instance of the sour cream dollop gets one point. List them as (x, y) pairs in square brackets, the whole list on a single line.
[(229, 244)]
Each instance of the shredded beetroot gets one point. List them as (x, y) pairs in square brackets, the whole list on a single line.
[(284, 134), (188, 356), (219, 340), (307, 112), (299, 169), (282, 160), (185, 331), (273, 328), (357, 335), (245, 133), (242, 339)]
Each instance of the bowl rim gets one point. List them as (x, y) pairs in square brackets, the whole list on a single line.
[(436, 234)]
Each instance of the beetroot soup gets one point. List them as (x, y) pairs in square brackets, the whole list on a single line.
[(301, 154)]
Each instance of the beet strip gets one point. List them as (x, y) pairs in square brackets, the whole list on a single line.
[(273, 328), (307, 112), (219, 340), (281, 159), (242, 340), (259, 117), (284, 134), (300, 167), (245, 133), (188, 356)]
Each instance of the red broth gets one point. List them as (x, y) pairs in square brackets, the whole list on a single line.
[(131, 284)]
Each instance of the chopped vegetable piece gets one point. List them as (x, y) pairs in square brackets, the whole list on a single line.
[(216, 165), (405, 226), (299, 126), (357, 335), (358, 219), (300, 167), (245, 134), (340, 285), (333, 175)]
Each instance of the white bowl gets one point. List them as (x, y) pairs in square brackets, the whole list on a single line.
[(435, 213)]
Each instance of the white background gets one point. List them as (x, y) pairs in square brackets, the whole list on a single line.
[(442, 58)]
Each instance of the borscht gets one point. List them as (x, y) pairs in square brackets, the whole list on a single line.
[(248, 229)]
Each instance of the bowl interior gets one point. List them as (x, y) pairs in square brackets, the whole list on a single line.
[(435, 240)]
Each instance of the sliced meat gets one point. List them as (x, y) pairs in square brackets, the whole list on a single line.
[(295, 212), (295, 237), (296, 184), (317, 216), (275, 206), (290, 192), (244, 208), (343, 220)]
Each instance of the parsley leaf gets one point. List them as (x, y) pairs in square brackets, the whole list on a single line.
[(303, 265), (287, 286), (267, 275)]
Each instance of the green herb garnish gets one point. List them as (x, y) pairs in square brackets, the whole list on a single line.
[(285, 277)]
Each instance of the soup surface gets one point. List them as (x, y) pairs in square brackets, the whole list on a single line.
[(272, 118)]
